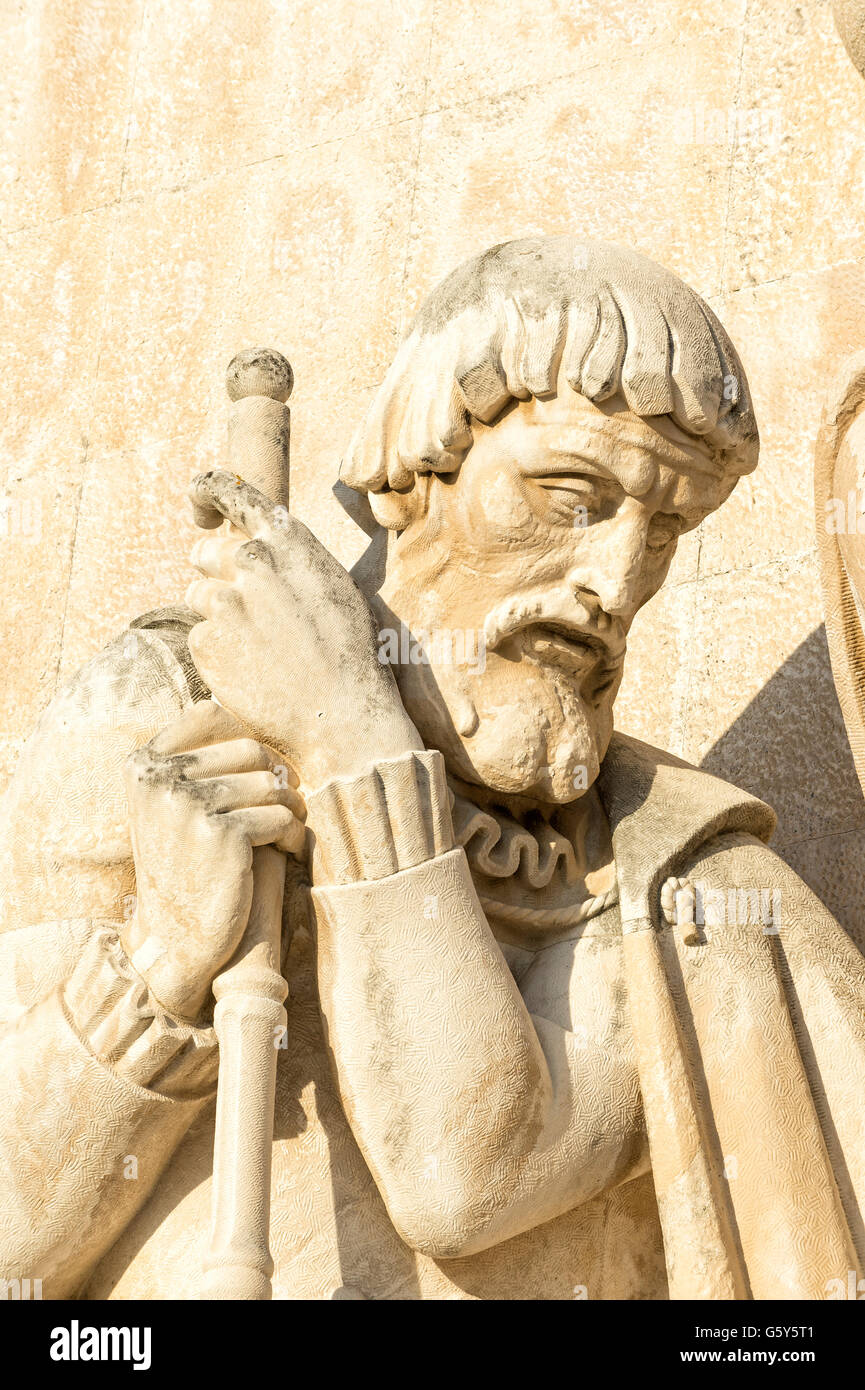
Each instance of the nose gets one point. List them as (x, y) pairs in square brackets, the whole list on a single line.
[(609, 564)]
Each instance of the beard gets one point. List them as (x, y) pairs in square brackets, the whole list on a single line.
[(536, 721)]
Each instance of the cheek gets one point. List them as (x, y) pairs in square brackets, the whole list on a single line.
[(655, 571)]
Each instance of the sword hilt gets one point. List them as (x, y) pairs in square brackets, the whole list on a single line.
[(259, 381), (249, 1016)]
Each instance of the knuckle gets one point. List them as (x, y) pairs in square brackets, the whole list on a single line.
[(223, 827), (209, 792), (256, 552)]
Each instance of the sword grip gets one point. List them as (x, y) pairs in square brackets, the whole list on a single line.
[(250, 1020), (250, 1017)]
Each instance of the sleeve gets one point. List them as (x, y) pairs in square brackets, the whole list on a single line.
[(395, 816), (98, 1085), (476, 1119)]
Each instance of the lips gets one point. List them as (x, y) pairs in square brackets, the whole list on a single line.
[(576, 652), (561, 629)]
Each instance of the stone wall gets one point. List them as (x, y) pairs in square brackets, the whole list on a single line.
[(183, 179)]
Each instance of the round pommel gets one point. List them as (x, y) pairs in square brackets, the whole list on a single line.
[(259, 372), (259, 382)]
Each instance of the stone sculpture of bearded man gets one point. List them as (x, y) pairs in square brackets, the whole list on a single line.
[(515, 1068)]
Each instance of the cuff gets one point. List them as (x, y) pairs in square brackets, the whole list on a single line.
[(115, 1014), (391, 818)]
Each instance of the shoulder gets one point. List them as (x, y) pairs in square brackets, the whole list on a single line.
[(144, 673), (65, 848), (661, 795), (661, 811), (637, 778)]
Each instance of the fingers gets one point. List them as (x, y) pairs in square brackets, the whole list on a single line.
[(215, 742), (271, 825), (203, 723), (248, 790), (207, 596), (235, 755), (213, 556), (243, 505), (221, 557)]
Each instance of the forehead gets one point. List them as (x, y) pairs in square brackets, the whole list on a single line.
[(568, 434)]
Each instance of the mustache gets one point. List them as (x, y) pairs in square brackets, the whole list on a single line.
[(576, 617)]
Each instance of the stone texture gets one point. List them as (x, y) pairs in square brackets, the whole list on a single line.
[(293, 227), (832, 865), (226, 86), (54, 285), (37, 527), (472, 59), (850, 20), (771, 515), (476, 131), (342, 214), (798, 169), (771, 690), (68, 77), (654, 694), (525, 1116), (582, 155), (54, 281)]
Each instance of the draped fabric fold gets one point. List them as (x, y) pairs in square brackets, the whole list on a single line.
[(745, 1046), (842, 605)]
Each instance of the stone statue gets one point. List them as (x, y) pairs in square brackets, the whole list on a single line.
[(560, 1025), (839, 494)]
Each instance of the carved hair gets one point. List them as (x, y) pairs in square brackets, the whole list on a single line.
[(502, 327)]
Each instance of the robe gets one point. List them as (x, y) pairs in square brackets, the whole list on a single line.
[(736, 1051)]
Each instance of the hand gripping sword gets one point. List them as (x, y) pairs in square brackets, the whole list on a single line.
[(250, 1017)]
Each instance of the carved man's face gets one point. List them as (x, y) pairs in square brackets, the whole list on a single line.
[(522, 577)]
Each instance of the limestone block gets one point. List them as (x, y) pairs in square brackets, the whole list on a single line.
[(821, 312), (577, 155), (544, 41), (770, 689), (54, 285), (797, 170), (222, 86), (832, 866), (67, 82)]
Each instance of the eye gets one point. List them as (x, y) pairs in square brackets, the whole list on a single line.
[(574, 497)]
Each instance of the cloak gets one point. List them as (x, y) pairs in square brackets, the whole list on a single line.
[(750, 1040)]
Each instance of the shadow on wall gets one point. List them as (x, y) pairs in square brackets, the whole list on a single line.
[(790, 748)]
